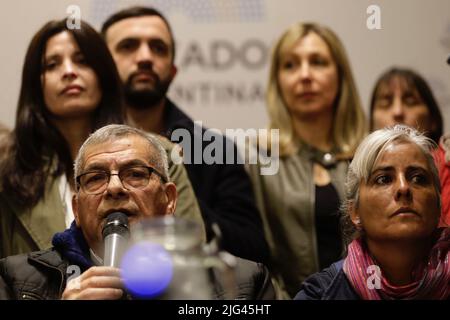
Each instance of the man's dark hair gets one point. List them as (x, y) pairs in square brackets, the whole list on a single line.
[(35, 148), (135, 12)]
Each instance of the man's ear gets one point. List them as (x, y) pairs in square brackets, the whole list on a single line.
[(75, 210), (172, 196), (173, 72), (354, 215)]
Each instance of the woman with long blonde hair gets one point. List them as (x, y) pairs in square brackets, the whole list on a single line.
[(313, 101)]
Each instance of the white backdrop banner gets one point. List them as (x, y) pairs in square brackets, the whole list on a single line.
[(224, 46)]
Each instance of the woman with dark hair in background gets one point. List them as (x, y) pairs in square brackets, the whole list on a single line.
[(402, 96), (70, 87)]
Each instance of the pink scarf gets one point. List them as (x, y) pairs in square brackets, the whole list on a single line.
[(430, 280)]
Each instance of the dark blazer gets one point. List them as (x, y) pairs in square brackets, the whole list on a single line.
[(223, 191), (329, 284)]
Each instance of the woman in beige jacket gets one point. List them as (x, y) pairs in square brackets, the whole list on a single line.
[(70, 87)]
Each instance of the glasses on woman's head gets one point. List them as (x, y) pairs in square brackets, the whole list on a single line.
[(137, 177)]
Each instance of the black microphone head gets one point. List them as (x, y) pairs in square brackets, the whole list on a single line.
[(116, 222)]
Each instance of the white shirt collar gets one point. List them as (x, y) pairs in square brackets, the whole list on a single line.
[(95, 258)]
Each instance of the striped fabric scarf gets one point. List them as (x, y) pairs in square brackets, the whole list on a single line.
[(431, 280)]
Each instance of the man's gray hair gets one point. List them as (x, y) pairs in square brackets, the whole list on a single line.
[(367, 154), (109, 133)]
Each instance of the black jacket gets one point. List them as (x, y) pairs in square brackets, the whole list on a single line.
[(43, 274), (224, 192), (329, 284)]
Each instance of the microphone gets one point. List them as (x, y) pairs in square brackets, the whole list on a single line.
[(115, 237)]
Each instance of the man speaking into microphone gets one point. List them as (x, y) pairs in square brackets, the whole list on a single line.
[(122, 177), (118, 170), (121, 173)]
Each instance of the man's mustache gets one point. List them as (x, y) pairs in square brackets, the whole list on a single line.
[(147, 72)]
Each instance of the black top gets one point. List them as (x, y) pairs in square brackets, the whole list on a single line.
[(328, 233), (224, 191)]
